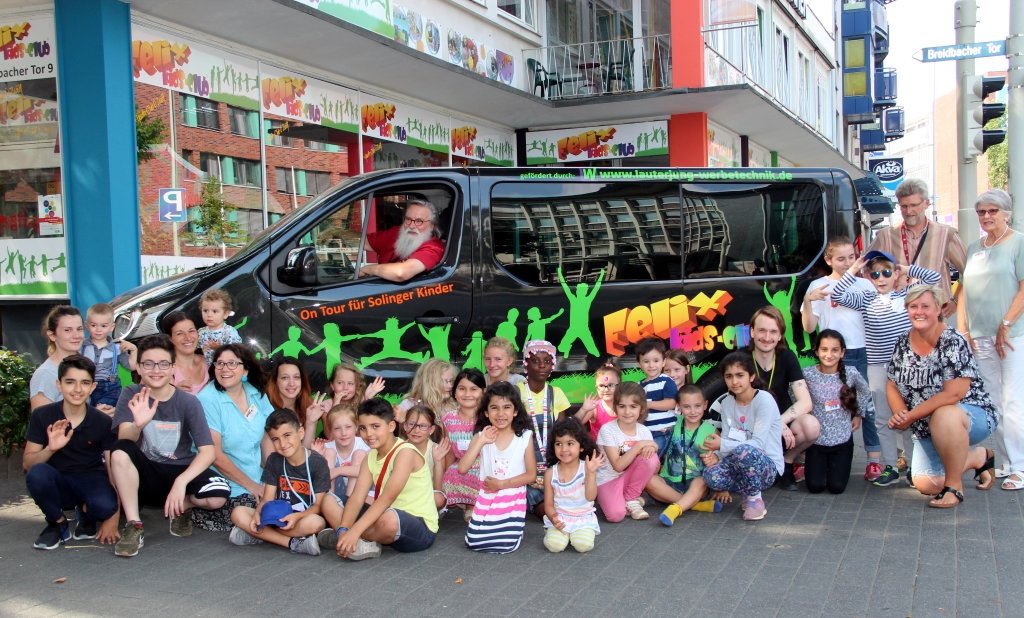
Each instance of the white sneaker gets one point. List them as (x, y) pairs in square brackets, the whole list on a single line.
[(365, 549), (305, 545), (241, 537), (636, 509)]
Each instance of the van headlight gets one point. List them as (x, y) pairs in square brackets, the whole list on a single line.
[(137, 323)]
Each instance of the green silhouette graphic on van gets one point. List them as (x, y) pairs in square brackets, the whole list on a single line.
[(579, 315), (537, 329), (391, 338), (242, 324), (331, 345), (781, 300), (508, 328), (292, 347), (438, 338), (474, 352)]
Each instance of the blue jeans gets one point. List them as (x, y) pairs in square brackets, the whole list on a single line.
[(926, 458), (55, 491), (858, 359), (106, 392), (413, 533), (662, 439)]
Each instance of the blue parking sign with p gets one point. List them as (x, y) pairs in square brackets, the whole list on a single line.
[(172, 205)]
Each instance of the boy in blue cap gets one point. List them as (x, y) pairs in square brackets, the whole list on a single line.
[(295, 481)]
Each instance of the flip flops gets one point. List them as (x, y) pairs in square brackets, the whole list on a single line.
[(938, 503)]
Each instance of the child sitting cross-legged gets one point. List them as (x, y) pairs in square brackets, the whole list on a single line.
[(570, 488), (295, 481)]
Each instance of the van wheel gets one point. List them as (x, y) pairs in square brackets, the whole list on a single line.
[(715, 393)]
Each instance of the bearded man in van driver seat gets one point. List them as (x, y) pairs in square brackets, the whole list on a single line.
[(406, 250)]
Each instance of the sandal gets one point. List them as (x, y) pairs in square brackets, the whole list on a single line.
[(937, 503), (985, 474), (1013, 482)]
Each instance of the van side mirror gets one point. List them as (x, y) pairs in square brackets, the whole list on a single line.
[(299, 270)]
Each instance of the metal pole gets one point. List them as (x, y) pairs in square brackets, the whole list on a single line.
[(965, 17), (1015, 112)]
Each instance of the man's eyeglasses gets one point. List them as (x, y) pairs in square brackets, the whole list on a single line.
[(875, 274), (151, 365), (607, 385), (231, 364), (416, 222), (909, 205), (991, 212), (420, 426)]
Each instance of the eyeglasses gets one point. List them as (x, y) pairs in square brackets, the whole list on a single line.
[(909, 205), (991, 212), (420, 426), (151, 365), (416, 222), (607, 385), (875, 274), (231, 364)]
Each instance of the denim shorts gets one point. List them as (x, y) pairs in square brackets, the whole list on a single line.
[(413, 533), (926, 458), (662, 439), (534, 496)]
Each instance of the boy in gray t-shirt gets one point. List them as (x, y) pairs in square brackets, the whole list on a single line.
[(152, 463)]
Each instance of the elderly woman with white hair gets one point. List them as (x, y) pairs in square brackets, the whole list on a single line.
[(989, 316), (935, 389)]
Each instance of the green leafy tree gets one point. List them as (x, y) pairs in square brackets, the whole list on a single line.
[(998, 157), (15, 374), (149, 131), (212, 221)]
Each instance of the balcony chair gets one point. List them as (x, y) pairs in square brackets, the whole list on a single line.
[(543, 79)]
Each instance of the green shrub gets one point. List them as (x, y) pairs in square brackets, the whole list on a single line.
[(15, 373)]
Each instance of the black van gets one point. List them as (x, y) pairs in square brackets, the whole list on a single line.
[(591, 259)]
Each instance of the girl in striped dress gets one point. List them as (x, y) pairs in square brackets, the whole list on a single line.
[(570, 488), (503, 444), (461, 489)]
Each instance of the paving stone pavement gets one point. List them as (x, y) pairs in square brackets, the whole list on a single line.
[(868, 552)]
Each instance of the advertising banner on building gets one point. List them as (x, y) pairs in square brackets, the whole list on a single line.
[(723, 147), (613, 141), (306, 99), (29, 49), (483, 143), (404, 123), (373, 16), (169, 61), (724, 12), (889, 171), (33, 267)]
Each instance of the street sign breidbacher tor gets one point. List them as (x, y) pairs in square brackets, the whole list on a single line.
[(964, 51)]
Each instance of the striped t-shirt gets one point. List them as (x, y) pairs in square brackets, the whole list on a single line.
[(885, 316), (659, 389)]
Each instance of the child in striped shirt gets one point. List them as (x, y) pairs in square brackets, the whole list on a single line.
[(661, 392), (885, 319)]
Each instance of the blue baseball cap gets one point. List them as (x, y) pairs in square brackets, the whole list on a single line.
[(273, 512), (876, 254)]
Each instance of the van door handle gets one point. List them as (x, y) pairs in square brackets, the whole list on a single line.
[(437, 320)]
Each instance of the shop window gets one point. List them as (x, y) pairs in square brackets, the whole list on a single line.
[(277, 133), (628, 232), (199, 112), (244, 122), (520, 9)]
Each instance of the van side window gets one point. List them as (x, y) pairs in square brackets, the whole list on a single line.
[(336, 239), (770, 230), (630, 231)]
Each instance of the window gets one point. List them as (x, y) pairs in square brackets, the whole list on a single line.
[(336, 239), (309, 182), (630, 232), (277, 133), (247, 173), (231, 171), (521, 9), (732, 231), (244, 122), (198, 112), (211, 164)]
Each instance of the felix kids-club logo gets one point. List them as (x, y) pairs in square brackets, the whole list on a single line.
[(595, 144), (287, 91), (378, 117), (165, 58), (10, 35), (462, 142)]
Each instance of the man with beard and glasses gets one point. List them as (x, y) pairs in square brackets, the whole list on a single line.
[(917, 240), (406, 250)]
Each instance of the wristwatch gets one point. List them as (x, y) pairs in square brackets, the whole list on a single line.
[(1007, 323)]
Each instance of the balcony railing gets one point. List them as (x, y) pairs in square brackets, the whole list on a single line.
[(599, 68), (885, 88)]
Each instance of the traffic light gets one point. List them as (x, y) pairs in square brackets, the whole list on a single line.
[(978, 139)]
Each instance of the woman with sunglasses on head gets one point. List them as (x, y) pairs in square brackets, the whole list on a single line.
[(236, 408), (989, 316), (885, 319)]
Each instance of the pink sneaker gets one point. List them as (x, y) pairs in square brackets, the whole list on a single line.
[(873, 471), (754, 509), (798, 472)]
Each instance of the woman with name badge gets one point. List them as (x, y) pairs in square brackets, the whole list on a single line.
[(236, 409)]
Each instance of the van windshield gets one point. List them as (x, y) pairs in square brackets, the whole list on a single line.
[(267, 233)]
